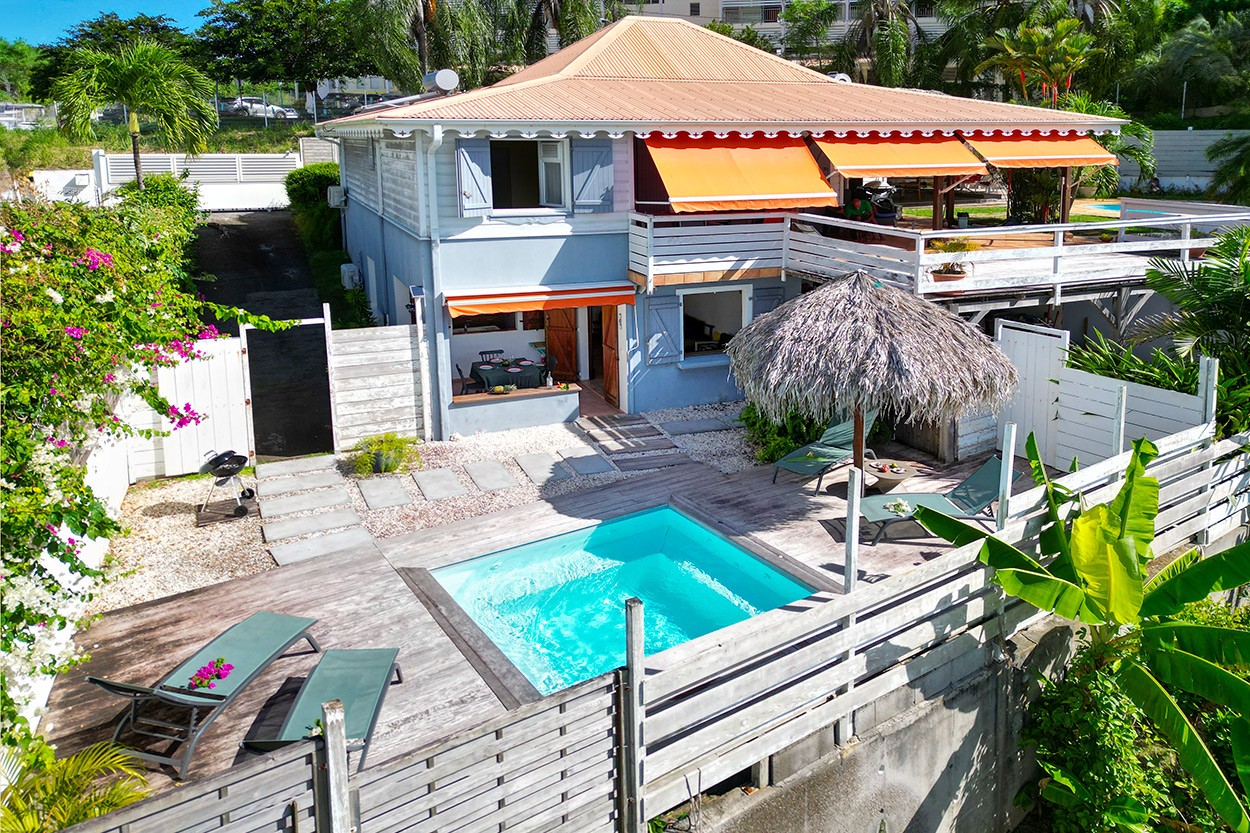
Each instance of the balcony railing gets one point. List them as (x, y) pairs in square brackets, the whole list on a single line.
[(684, 249)]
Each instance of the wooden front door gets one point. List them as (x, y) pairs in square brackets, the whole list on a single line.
[(611, 366), (561, 327)]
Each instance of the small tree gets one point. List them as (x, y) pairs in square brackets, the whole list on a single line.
[(49, 796), (1095, 574), (807, 27), (1231, 178), (148, 79)]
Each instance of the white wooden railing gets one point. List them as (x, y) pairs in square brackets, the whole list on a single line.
[(1007, 258)]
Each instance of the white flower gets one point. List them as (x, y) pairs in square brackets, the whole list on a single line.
[(899, 507), (107, 297), (56, 297)]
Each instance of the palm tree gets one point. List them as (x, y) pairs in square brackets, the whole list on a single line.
[(1231, 177), (1135, 141), (151, 81), (807, 23), (886, 32), (1096, 575), (1047, 55), (393, 28), (44, 798), (1212, 301)]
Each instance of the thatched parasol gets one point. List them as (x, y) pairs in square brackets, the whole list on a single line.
[(855, 344)]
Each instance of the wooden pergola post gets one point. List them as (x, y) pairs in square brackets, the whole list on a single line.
[(858, 441), (938, 182), (1065, 202)]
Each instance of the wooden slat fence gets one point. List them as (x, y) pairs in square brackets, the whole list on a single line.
[(377, 382), (546, 766)]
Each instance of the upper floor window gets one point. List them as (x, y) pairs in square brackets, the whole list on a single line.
[(505, 177), (694, 9)]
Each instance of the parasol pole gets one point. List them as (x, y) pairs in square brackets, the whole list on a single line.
[(859, 436)]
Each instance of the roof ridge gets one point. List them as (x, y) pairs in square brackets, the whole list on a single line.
[(613, 34)]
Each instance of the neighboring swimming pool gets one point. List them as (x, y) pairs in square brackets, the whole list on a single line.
[(556, 607)]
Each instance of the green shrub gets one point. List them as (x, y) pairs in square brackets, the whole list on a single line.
[(772, 440), (164, 191), (349, 308), (317, 223), (384, 452)]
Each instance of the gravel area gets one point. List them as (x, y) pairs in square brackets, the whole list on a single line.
[(165, 553)]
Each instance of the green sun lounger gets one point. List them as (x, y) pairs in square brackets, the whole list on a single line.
[(970, 500), (250, 646), (359, 678), (835, 446)]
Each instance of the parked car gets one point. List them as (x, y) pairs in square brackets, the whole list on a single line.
[(252, 106)]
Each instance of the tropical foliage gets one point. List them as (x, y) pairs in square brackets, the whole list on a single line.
[(1045, 59), (151, 81), (1231, 178), (47, 796), (17, 62), (93, 300), (1093, 569), (745, 34)]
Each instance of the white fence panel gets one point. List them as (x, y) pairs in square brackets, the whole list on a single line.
[(214, 387), (1038, 353)]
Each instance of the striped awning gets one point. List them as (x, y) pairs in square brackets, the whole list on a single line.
[(1040, 151), (528, 298), (905, 156)]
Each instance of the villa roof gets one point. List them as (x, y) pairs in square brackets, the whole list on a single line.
[(665, 74)]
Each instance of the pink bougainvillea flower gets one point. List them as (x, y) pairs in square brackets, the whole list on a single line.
[(156, 305), (208, 332), (53, 391), (18, 236), (109, 377), (75, 332), (94, 259)]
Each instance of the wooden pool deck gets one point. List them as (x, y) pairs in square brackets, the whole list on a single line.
[(368, 599)]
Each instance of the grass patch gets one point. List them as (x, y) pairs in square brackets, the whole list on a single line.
[(997, 212)]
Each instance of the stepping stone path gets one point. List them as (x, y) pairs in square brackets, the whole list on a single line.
[(384, 492), (651, 461), (585, 460), (657, 443), (624, 434), (438, 484), (541, 467), (312, 485), (628, 432), (694, 426), (490, 475)]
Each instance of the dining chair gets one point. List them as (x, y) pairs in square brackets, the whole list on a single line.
[(468, 384), (490, 355)]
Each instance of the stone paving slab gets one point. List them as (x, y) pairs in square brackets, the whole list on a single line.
[(629, 432), (299, 483), (661, 443), (303, 465), (610, 421), (349, 539), (541, 467), (653, 461), (695, 426), (306, 502), (308, 524), (490, 475), (438, 484), (589, 464), (577, 451), (384, 492)]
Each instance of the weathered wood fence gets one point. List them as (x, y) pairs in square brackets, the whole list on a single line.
[(614, 751)]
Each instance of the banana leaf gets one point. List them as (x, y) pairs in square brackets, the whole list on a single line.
[(1137, 503), (1149, 696), (1183, 670), (1239, 730), (1047, 592), (1181, 563), (994, 552), (1226, 646), (1107, 565), (1222, 571)]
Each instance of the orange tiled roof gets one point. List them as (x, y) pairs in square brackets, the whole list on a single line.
[(644, 73)]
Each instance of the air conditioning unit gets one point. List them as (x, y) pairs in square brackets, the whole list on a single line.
[(335, 196), (349, 275)]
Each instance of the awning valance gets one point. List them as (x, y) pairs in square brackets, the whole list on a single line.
[(529, 298), (876, 156), (739, 174), (1040, 151)]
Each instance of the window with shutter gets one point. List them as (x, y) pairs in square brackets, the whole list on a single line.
[(663, 330), (473, 175), (766, 299), (591, 161), (551, 174)]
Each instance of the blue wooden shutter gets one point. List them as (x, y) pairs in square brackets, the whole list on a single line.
[(592, 175), (766, 299), (663, 330), (473, 176)]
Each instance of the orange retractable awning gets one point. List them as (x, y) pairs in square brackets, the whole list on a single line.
[(876, 156), (1040, 151), (739, 174), (529, 298)]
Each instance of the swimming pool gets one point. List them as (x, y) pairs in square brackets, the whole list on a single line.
[(556, 607)]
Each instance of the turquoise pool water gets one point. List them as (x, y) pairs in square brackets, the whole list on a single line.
[(1107, 206), (556, 607)]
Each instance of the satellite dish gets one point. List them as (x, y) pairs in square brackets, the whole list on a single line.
[(840, 77), (323, 88)]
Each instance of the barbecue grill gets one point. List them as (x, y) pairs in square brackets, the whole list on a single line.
[(225, 468)]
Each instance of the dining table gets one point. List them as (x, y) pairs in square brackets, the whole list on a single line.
[(524, 373)]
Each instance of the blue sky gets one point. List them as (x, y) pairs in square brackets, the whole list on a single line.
[(43, 21)]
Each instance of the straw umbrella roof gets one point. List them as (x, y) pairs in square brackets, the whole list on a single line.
[(856, 342)]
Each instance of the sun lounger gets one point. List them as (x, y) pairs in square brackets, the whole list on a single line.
[(971, 499), (170, 710), (835, 446), (359, 678)]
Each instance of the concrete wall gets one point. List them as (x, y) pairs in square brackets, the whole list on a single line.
[(1181, 156), (502, 413), (940, 755)]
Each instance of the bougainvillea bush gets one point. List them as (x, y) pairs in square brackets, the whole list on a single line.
[(93, 299)]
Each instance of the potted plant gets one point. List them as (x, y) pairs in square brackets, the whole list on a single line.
[(383, 453), (955, 270), (1107, 237)]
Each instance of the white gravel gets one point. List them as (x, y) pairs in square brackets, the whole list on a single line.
[(165, 553)]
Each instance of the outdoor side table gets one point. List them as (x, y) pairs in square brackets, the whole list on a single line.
[(895, 474)]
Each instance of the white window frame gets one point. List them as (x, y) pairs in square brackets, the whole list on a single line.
[(708, 290), (566, 182)]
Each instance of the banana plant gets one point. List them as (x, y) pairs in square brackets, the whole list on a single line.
[(1092, 569)]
